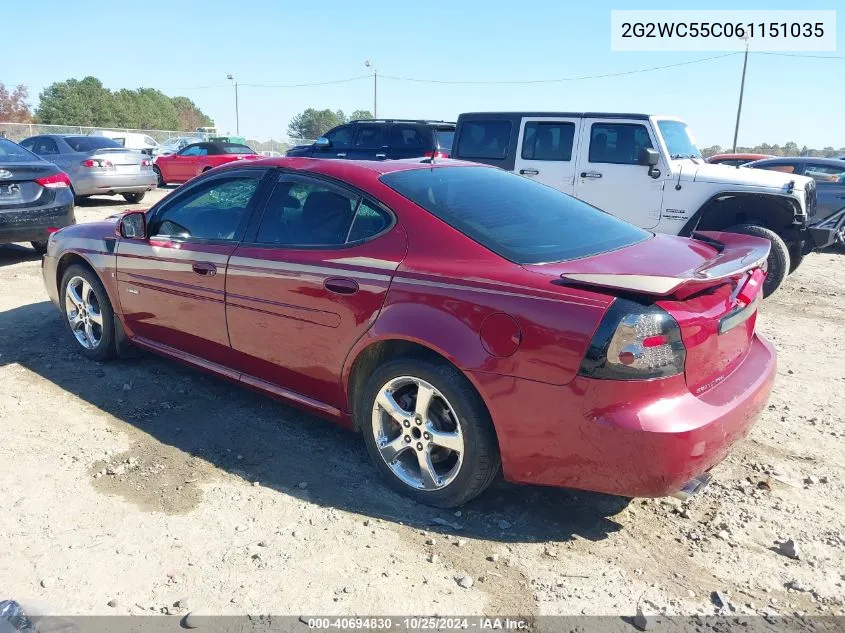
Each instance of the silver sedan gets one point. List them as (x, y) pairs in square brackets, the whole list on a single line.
[(96, 165)]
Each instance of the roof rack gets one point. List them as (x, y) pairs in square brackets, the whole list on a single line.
[(401, 121)]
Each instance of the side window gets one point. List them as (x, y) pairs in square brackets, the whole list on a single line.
[(341, 138), (214, 211), (45, 147), (781, 167), (307, 213), (371, 136), (548, 141), (194, 150), (484, 139), (369, 221), (618, 143), (825, 174), (28, 144), (406, 137)]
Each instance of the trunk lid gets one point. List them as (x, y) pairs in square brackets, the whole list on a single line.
[(125, 161), (710, 285), (20, 188)]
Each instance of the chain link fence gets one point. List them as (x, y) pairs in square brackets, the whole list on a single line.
[(20, 131)]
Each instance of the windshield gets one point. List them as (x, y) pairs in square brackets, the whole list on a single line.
[(516, 218), (89, 143), (13, 153), (679, 139)]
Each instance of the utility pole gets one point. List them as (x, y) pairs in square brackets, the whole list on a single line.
[(231, 77), (369, 64), (741, 91)]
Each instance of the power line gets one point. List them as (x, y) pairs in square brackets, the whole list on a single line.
[(559, 80), (798, 55), (310, 84)]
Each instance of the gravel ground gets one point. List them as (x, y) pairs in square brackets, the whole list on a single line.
[(141, 486)]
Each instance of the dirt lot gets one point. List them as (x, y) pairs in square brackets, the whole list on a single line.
[(140, 486)]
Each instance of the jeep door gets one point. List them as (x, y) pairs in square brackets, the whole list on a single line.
[(609, 174), (546, 151)]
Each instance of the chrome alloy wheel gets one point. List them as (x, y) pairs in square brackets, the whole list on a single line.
[(83, 312), (417, 433)]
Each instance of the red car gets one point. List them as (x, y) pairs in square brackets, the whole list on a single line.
[(459, 317), (736, 160), (193, 160)]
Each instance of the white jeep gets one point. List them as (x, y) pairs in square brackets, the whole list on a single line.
[(648, 170)]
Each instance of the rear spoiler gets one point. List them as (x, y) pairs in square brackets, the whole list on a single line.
[(737, 254)]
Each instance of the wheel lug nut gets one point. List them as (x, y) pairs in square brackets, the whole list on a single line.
[(419, 446), (427, 436), (407, 423), (407, 439), (419, 421)]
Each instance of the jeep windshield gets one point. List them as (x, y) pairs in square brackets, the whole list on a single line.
[(519, 219), (679, 140)]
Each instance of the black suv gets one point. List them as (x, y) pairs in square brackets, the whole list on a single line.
[(382, 139)]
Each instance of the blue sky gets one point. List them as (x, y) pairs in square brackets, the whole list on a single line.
[(187, 47)]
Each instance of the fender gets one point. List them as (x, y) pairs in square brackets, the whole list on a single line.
[(692, 224)]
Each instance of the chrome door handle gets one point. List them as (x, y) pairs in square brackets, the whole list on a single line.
[(341, 155), (590, 174), (528, 172), (381, 155)]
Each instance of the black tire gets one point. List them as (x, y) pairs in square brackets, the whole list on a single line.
[(796, 256), (105, 348), (161, 182), (134, 198), (79, 199), (39, 246), (778, 262), (481, 461)]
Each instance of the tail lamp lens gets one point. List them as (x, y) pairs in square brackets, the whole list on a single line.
[(55, 181), (635, 342)]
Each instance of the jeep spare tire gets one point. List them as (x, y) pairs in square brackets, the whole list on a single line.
[(777, 266)]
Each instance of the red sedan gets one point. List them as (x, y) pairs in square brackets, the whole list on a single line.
[(461, 318), (193, 160)]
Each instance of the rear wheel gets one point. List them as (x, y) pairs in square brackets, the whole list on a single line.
[(159, 177), (777, 265), (428, 432), (134, 198), (39, 246), (88, 312)]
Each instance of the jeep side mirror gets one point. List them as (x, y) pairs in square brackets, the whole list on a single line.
[(322, 143), (133, 226), (649, 157)]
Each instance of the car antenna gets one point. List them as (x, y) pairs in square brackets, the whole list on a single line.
[(678, 184)]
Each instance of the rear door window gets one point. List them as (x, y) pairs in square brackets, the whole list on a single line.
[(484, 139), (618, 143), (548, 141), (825, 174), (45, 146), (406, 137)]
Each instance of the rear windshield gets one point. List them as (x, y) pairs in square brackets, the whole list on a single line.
[(444, 139), (519, 219), (89, 143), (13, 153), (236, 149), (484, 139)]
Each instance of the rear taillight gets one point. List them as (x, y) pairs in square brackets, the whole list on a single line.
[(55, 181), (437, 154), (97, 163), (635, 342)]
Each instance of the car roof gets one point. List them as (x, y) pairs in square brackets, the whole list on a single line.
[(352, 168), (572, 115), (833, 162)]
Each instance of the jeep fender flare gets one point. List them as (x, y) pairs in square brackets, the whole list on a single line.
[(705, 217)]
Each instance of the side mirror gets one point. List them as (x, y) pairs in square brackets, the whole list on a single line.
[(322, 143), (133, 226), (648, 157)]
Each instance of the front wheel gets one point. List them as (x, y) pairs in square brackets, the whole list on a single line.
[(159, 177), (88, 312), (428, 432), (777, 265), (134, 198)]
